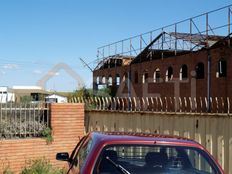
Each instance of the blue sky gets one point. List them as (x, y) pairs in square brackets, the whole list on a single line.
[(36, 35)]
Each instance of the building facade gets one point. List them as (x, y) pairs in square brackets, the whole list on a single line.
[(168, 73), (190, 58)]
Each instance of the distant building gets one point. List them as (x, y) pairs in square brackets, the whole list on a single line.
[(54, 98), (155, 72), (174, 61), (6, 94), (31, 93)]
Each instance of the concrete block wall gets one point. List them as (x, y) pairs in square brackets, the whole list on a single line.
[(67, 122)]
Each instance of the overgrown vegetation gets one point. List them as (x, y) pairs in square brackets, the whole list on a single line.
[(25, 99), (41, 166), (80, 93), (85, 93), (9, 129), (104, 92), (47, 134), (22, 120), (7, 170), (31, 98)]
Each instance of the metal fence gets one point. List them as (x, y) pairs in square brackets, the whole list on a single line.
[(21, 120), (157, 104)]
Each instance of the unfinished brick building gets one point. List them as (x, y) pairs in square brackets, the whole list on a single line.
[(171, 62)]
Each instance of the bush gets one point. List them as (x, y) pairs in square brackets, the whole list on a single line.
[(47, 134), (5, 167), (41, 166), (9, 129), (7, 171)]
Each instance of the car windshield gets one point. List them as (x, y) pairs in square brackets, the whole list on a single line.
[(140, 159)]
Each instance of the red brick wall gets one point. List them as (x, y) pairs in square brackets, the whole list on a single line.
[(67, 122)]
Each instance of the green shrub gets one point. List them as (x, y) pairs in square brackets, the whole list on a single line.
[(41, 166), (47, 134), (7, 171), (5, 167), (9, 129)]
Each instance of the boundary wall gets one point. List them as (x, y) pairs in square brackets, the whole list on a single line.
[(67, 123), (214, 131)]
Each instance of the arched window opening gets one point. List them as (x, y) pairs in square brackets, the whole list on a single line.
[(110, 81), (157, 75), (136, 77), (221, 69), (103, 80), (169, 74), (98, 80), (145, 77), (117, 80), (183, 72), (200, 71)]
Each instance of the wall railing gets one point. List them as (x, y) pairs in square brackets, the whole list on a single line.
[(157, 104), (21, 120)]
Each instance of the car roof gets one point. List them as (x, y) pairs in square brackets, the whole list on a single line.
[(141, 138)]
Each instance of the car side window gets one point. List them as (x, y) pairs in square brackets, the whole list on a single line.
[(75, 150), (199, 162), (83, 153)]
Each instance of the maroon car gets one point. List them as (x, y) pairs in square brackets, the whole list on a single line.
[(138, 153)]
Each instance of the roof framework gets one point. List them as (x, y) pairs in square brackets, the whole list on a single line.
[(173, 44), (185, 36), (114, 61)]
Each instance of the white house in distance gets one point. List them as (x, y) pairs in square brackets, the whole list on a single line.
[(35, 93), (6, 94), (54, 98)]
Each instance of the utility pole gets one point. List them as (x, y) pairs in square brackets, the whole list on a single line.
[(209, 81), (209, 65)]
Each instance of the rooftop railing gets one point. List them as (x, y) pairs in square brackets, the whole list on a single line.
[(213, 23)]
